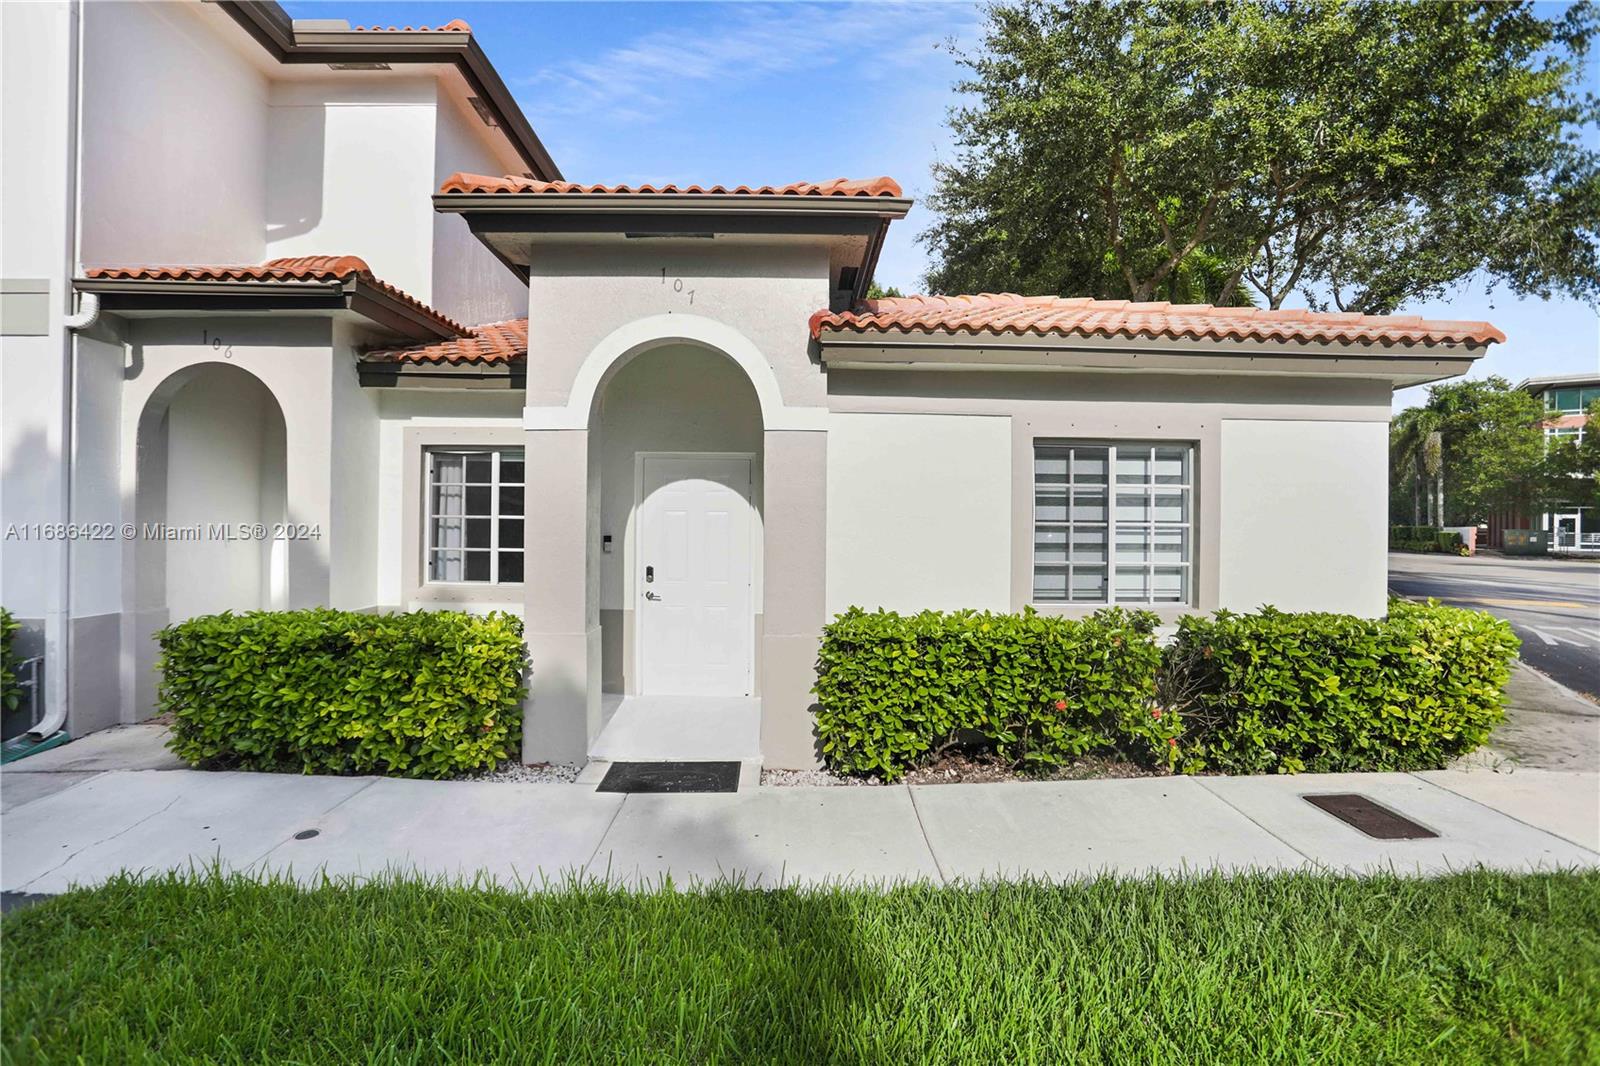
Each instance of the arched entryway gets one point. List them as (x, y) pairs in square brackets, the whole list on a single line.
[(684, 412), (676, 438), (211, 494)]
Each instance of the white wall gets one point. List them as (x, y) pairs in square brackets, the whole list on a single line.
[(35, 58), (919, 512), (1304, 515), (469, 283), (674, 398), (766, 292), (353, 515), (397, 409), (218, 456), (96, 479), (350, 168), (174, 140)]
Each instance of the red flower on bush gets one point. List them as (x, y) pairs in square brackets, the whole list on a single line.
[(1155, 714), (1061, 705), (1172, 742)]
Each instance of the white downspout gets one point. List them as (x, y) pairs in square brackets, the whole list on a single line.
[(55, 716)]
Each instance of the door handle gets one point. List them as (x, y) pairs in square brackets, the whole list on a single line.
[(651, 596)]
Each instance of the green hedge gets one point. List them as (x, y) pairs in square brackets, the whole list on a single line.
[(10, 685), (426, 694), (894, 690), (1279, 693), (1261, 693)]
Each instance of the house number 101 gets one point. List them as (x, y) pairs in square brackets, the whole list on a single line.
[(677, 285)]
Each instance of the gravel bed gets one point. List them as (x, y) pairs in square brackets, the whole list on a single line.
[(546, 774), (790, 778)]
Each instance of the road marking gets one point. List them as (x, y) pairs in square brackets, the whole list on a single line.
[(1531, 603), (1588, 638)]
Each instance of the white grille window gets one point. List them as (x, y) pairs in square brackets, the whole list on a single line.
[(1113, 523), (474, 519)]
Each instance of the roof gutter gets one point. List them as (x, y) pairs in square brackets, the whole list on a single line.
[(274, 30)]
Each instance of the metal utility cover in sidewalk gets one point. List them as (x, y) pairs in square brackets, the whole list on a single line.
[(671, 777), (1369, 817)]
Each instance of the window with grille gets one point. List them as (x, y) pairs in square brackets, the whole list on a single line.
[(1113, 523), (474, 519)]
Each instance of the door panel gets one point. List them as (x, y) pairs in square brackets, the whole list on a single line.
[(695, 616)]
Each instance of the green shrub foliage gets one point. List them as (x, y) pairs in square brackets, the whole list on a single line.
[(1273, 692), (894, 690), (426, 694), (10, 686), (1268, 692)]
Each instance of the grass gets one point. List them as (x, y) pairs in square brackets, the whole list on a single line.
[(1476, 967)]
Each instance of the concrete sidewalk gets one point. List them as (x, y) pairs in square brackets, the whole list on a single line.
[(155, 820)]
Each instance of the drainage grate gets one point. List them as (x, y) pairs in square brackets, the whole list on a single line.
[(671, 777), (1371, 818)]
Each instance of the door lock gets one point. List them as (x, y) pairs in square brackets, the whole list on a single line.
[(649, 574)]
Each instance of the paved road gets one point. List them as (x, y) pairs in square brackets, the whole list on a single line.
[(1553, 604)]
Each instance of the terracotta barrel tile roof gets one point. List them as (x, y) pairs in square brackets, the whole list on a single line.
[(296, 268), (1008, 313), (511, 183), (498, 342), (453, 26)]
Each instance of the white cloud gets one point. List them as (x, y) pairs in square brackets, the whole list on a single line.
[(647, 77)]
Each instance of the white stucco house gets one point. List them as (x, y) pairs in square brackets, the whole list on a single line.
[(297, 313)]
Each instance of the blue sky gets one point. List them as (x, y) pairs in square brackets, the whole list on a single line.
[(772, 93)]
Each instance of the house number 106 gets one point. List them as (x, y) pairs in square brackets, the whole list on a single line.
[(677, 285)]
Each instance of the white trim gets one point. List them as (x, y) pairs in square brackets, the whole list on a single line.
[(626, 341), (636, 579)]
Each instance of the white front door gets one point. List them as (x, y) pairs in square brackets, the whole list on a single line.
[(696, 626)]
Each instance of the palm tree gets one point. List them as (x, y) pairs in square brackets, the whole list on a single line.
[(1417, 450)]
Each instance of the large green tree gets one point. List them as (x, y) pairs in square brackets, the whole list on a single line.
[(1364, 153), (1486, 440)]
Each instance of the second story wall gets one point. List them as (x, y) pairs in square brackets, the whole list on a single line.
[(350, 168), (174, 139), (470, 284)]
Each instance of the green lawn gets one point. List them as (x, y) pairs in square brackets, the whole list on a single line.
[(1477, 967)]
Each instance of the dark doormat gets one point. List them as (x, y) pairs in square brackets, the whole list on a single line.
[(671, 777), (1369, 817)]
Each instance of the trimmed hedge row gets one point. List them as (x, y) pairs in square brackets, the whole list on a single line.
[(425, 694), (1040, 690), (1273, 692), (1260, 693), (1426, 539)]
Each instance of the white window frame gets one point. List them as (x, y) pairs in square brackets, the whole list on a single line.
[(1191, 467), (496, 453)]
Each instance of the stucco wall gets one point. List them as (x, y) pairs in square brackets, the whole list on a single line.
[(480, 418), (469, 283), (351, 168), (579, 295), (1304, 515), (221, 441), (354, 513), (1343, 573), (174, 139), (919, 512)]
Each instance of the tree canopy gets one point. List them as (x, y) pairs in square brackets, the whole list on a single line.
[(1489, 455), (1365, 154)]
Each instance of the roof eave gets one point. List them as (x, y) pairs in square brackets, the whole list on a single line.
[(371, 302), (272, 28), (885, 207), (1400, 364)]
